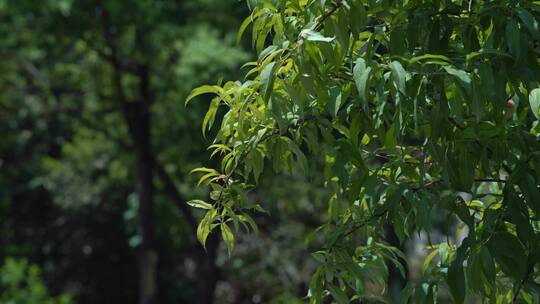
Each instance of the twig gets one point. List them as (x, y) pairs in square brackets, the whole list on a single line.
[(358, 226), (490, 180), (522, 282), (327, 15)]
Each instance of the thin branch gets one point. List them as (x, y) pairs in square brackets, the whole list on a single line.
[(172, 192), (327, 15), (358, 226), (522, 282), (490, 180)]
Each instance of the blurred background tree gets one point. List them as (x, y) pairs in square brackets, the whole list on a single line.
[(96, 148)]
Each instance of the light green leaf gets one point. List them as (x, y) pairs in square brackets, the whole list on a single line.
[(205, 226), (428, 260), (399, 75), (228, 237), (247, 219), (334, 101), (200, 204), (210, 116), (205, 89), (267, 80), (534, 101), (463, 78), (312, 35), (361, 73), (436, 59)]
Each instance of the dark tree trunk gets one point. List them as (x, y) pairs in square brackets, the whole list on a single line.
[(137, 115), (147, 253), (207, 270)]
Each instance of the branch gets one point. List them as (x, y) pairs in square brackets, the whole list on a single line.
[(522, 282), (172, 192), (490, 180), (358, 226), (327, 15)]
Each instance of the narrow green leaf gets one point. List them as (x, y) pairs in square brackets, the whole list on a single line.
[(243, 27), (428, 260), (512, 37), (534, 101), (456, 277), (463, 78), (361, 73), (228, 237), (399, 75), (312, 35), (436, 59), (334, 101), (200, 204), (530, 22), (339, 295), (205, 226), (210, 116), (205, 89), (267, 80)]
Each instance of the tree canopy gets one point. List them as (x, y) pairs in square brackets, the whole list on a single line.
[(401, 110)]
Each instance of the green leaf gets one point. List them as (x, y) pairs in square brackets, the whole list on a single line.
[(530, 22), (512, 262), (312, 35), (399, 75), (200, 204), (463, 78), (361, 73), (205, 226), (529, 186), (431, 58), (210, 116), (205, 89), (488, 265), (243, 27), (534, 101), (428, 259), (228, 237), (512, 37), (339, 295), (247, 219), (267, 80), (334, 101), (456, 277)]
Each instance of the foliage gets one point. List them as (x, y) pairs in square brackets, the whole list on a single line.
[(408, 108), (21, 282)]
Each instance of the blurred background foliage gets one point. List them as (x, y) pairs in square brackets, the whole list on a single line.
[(69, 209)]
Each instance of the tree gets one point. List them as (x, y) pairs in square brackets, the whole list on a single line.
[(407, 108)]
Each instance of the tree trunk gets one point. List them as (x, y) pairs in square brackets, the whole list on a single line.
[(147, 255), (207, 270), (137, 115)]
